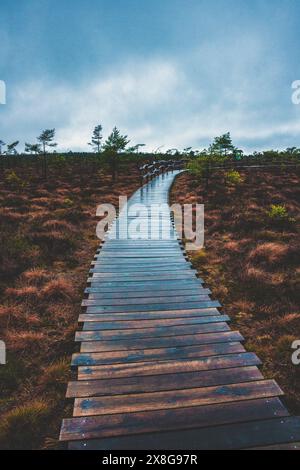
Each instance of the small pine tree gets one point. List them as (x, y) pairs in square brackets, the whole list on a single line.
[(11, 149), (2, 144), (115, 143), (46, 141), (96, 141)]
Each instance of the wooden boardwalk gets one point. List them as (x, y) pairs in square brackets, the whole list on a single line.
[(159, 366)]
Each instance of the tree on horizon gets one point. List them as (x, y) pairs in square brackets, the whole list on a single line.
[(96, 142), (114, 144), (2, 144), (32, 148), (46, 141), (11, 149)]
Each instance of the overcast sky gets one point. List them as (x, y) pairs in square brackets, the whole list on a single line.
[(166, 72)]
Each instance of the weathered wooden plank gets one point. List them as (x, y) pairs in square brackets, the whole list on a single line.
[(153, 307), (142, 251), (135, 424), (140, 261), (136, 273), (162, 342), (141, 244), (159, 293), (156, 383), (236, 436), (99, 268), (144, 287), (143, 277), (119, 335), (144, 301), (121, 316), (168, 367), (111, 244), (162, 354), (141, 324), (145, 255), (175, 398)]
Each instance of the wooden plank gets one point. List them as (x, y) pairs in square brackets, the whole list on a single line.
[(147, 254), (141, 272), (111, 244), (150, 332), (138, 424), (156, 383), (114, 263), (238, 436), (99, 268), (159, 293), (144, 277), (121, 316), (162, 354), (140, 261), (109, 248), (153, 307), (157, 255), (144, 287), (168, 367), (162, 342), (175, 398), (156, 251), (145, 301), (142, 324)]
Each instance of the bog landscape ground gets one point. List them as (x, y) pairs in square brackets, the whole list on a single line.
[(48, 240), (250, 261)]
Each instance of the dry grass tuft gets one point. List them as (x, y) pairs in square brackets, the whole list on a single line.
[(269, 253), (21, 427), (25, 294), (25, 341), (35, 277), (56, 375), (57, 290), (58, 226)]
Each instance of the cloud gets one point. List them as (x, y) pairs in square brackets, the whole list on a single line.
[(175, 103), (127, 98)]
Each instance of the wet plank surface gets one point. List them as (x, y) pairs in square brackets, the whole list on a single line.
[(159, 366)]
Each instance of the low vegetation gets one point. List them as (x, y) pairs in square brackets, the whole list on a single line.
[(251, 260), (47, 242)]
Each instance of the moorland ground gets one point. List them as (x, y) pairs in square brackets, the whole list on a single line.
[(47, 243), (251, 260)]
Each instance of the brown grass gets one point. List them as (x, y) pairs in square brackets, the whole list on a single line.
[(35, 277), (252, 264), (47, 242), (57, 289)]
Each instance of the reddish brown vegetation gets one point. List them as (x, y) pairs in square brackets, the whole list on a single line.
[(47, 243), (252, 263)]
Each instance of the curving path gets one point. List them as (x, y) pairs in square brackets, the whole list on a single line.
[(159, 367)]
